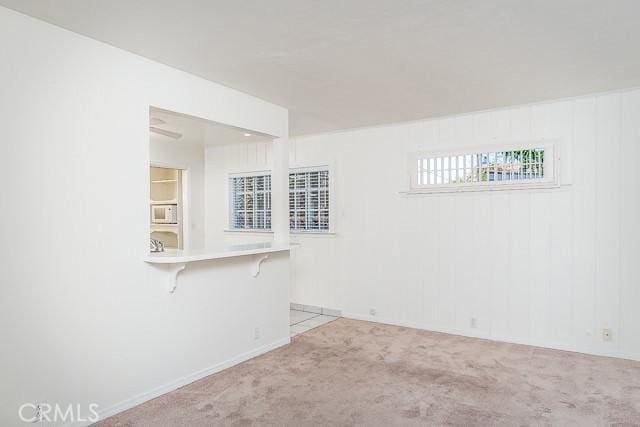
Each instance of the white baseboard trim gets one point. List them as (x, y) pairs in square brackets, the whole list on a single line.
[(188, 379), (501, 338)]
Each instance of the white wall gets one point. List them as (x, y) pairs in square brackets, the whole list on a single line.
[(547, 267), (82, 318), (188, 155)]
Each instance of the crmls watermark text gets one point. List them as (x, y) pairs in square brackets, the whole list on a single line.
[(46, 412)]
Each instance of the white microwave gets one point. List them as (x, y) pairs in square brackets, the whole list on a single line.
[(164, 214)]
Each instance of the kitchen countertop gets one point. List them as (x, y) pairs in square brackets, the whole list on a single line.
[(179, 256)]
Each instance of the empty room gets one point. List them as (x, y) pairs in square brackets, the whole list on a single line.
[(320, 213)]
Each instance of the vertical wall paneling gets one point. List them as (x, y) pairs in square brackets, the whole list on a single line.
[(519, 266), (550, 267), (499, 247), (628, 214), (607, 265), (539, 267), (584, 221), (447, 261)]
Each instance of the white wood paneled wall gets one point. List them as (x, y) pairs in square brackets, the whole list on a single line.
[(545, 267)]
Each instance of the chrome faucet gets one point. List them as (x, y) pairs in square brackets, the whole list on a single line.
[(156, 246)]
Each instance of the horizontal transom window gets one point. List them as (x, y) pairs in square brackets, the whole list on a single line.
[(484, 168)]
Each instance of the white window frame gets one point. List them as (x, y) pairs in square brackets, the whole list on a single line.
[(329, 169), (292, 169), (550, 180), (230, 201)]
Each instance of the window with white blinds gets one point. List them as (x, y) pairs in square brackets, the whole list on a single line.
[(250, 202), (485, 168), (309, 200)]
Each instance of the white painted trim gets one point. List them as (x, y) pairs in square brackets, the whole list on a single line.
[(248, 230), (300, 169), (184, 213), (169, 165), (188, 379), (487, 191), (245, 174), (499, 338), (481, 189)]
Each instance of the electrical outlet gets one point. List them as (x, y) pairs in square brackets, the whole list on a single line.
[(256, 333), (373, 311), (474, 322), (607, 334)]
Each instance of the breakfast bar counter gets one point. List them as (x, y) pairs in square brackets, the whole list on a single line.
[(176, 260), (175, 256)]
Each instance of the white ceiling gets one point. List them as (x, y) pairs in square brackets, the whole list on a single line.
[(347, 63), (199, 131)]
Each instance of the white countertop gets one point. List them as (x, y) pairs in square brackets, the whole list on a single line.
[(178, 256)]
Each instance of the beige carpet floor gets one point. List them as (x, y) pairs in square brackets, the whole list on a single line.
[(351, 372)]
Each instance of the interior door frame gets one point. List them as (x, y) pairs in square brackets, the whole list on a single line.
[(184, 214)]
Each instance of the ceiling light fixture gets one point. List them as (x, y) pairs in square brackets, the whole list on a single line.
[(247, 134)]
